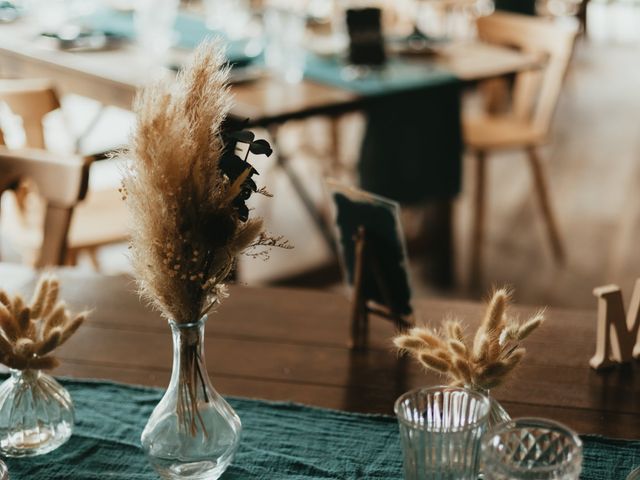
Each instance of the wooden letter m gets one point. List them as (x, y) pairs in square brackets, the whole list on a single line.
[(617, 331)]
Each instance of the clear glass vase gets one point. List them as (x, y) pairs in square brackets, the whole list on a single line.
[(192, 433), (497, 413), (36, 414)]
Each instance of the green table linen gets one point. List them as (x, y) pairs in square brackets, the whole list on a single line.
[(280, 441)]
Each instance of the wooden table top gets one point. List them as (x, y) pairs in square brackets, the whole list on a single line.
[(286, 344), (112, 77)]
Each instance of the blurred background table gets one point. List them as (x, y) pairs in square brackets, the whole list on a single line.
[(113, 76), (414, 98)]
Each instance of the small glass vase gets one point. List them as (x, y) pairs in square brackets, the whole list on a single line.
[(36, 414), (192, 433), (440, 431), (497, 413)]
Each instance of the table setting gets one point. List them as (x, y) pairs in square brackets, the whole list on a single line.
[(189, 226), (190, 173)]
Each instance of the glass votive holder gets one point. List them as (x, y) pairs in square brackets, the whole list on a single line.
[(154, 22), (440, 431), (635, 475), (532, 449), (285, 52)]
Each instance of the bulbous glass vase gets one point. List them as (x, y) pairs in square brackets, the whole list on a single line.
[(193, 433), (36, 414)]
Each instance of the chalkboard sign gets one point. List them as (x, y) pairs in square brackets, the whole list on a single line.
[(366, 40), (373, 254)]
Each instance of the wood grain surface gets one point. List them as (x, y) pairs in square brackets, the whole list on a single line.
[(287, 344)]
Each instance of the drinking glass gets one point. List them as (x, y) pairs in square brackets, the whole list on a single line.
[(532, 449), (154, 24), (440, 431), (229, 16), (285, 53)]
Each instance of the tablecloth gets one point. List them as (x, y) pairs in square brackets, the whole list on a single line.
[(280, 441)]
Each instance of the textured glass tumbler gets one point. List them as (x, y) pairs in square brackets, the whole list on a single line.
[(440, 431), (36, 414), (532, 449)]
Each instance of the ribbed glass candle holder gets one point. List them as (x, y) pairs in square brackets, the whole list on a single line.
[(440, 431), (36, 414)]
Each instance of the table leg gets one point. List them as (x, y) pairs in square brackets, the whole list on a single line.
[(321, 221), (437, 241)]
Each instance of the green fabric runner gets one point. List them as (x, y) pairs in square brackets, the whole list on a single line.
[(398, 75), (280, 441)]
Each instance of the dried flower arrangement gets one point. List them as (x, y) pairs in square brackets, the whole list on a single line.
[(186, 189), (30, 333), (483, 364)]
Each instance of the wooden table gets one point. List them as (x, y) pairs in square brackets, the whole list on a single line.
[(112, 77), (286, 344)]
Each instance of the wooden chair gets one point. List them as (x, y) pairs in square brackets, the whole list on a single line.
[(527, 123), (61, 182), (101, 218)]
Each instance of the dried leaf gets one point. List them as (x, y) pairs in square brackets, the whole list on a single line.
[(39, 296), (51, 299), (433, 362)]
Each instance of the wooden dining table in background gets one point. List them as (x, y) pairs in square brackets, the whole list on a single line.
[(113, 76), (288, 344)]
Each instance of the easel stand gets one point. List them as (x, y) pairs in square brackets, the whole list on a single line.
[(362, 307)]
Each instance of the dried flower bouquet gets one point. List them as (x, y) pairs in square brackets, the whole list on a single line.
[(29, 333), (482, 364), (186, 189)]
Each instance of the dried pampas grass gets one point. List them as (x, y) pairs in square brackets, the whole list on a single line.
[(186, 230), (29, 333), (484, 363), (186, 189)]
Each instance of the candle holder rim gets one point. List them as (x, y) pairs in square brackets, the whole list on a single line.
[(188, 325), (439, 388), (540, 422)]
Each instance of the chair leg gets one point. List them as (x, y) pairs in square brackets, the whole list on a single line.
[(542, 193), (477, 235), (93, 257), (71, 258)]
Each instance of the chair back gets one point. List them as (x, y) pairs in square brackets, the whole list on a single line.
[(535, 92), (31, 100), (62, 183)]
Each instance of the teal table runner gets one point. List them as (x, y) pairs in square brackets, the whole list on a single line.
[(398, 75), (280, 441)]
